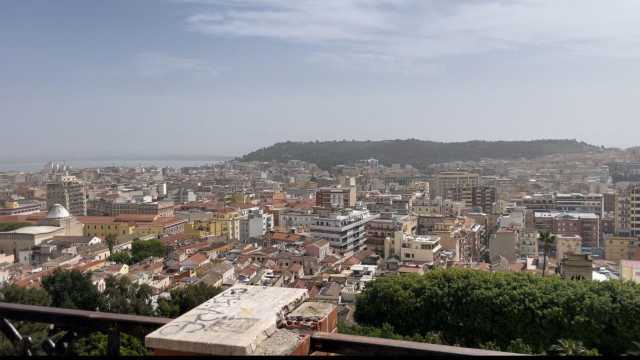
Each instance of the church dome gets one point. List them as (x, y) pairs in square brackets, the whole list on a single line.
[(58, 211)]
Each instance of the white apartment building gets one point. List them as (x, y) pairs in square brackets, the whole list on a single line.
[(344, 229), (422, 248)]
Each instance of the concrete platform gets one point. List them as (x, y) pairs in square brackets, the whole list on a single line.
[(235, 322)]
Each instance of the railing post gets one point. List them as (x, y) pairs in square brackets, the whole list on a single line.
[(113, 341)]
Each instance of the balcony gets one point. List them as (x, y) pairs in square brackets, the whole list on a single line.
[(319, 340)]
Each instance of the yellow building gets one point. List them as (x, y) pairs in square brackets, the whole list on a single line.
[(197, 229), (104, 226), (226, 223)]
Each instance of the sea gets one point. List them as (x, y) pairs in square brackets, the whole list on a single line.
[(35, 166)]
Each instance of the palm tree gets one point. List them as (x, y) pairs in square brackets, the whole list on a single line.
[(547, 239)]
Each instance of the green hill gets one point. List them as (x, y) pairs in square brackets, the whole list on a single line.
[(418, 153)]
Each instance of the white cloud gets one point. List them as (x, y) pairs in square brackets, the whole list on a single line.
[(155, 64), (415, 31)]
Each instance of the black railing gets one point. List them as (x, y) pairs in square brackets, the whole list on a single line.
[(72, 322)]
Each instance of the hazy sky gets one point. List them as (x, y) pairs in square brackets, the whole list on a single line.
[(125, 77)]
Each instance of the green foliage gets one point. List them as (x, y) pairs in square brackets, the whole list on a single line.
[(71, 289), (474, 307), (418, 153), (141, 250), (124, 297), (111, 241), (37, 331), (10, 226), (96, 345), (121, 257), (386, 331), (185, 299), (635, 349), (571, 348)]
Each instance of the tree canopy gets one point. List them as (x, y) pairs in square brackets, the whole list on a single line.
[(121, 257), (125, 297), (472, 308), (71, 289), (185, 299), (141, 250)]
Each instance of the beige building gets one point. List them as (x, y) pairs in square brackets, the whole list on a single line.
[(25, 238), (577, 267), (445, 181), (566, 245), (621, 248), (630, 270), (57, 223), (504, 243), (425, 248)]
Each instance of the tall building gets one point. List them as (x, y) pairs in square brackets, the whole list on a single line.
[(69, 192), (345, 229), (386, 226), (447, 180), (577, 202), (484, 197), (622, 214), (336, 198), (634, 210)]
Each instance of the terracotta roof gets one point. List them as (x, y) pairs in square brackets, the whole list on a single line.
[(136, 218), (198, 258), (286, 237), (96, 219), (352, 261)]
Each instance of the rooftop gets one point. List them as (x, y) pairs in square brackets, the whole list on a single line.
[(36, 230)]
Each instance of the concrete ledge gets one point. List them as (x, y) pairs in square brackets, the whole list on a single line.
[(236, 322)]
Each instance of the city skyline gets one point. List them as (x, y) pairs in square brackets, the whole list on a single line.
[(228, 77)]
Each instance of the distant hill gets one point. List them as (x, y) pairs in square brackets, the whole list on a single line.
[(418, 153)]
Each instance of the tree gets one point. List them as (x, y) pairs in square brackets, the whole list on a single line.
[(124, 297), (476, 307), (121, 257), (37, 331), (111, 241), (71, 289), (185, 299), (141, 250), (95, 344), (547, 240)]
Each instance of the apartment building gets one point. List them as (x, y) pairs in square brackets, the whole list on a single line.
[(408, 248), (386, 226), (621, 248), (105, 207), (69, 192), (447, 180), (336, 198), (345, 229), (586, 225)]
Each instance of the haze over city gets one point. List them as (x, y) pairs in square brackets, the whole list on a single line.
[(215, 77)]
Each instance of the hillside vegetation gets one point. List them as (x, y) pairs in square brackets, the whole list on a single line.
[(418, 153)]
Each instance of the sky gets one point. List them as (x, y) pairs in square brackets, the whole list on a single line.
[(85, 78)]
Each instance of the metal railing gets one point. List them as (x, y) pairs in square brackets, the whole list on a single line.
[(74, 322)]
